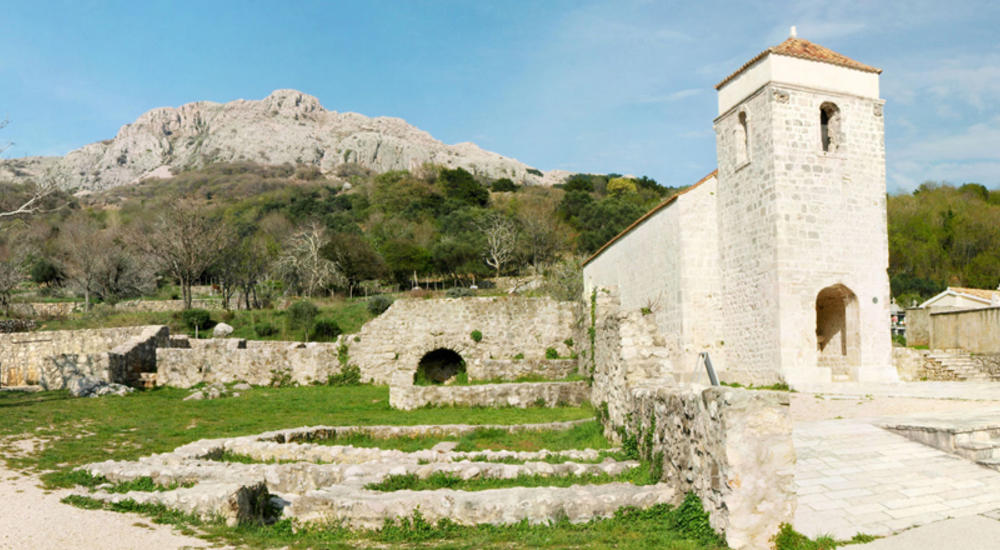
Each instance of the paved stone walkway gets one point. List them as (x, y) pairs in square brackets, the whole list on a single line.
[(969, 391), (853, 477)]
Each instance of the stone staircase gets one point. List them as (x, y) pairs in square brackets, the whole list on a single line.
[(954, 365), (972, 435)]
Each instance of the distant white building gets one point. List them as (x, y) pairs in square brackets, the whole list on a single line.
[(776, 262)]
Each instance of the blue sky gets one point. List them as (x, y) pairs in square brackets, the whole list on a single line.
[(616, 86)]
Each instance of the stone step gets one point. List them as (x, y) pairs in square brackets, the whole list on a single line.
[(990, 463), (981, 450)]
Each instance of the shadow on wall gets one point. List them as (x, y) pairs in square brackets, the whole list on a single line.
[(438, 367)]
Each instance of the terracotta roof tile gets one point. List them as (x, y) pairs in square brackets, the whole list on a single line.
[(804, 49), (647, 215)]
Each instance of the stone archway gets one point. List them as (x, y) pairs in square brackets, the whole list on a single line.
[(439, 366), (838, 336)]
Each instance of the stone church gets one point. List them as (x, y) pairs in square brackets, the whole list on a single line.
[(775, 263)]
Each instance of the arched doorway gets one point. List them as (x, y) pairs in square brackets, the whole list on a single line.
[(439, 366), (837, 330)]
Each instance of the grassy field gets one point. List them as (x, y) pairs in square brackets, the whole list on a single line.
[(77, 431)]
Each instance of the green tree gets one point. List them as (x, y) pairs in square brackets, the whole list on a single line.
[(458, 184)]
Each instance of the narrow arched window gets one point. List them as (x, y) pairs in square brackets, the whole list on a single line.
[(741, 136), (829, 127)]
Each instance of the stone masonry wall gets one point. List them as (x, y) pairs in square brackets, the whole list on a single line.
[(731, 447), (396, 340), (64, 309), (512, 369), (49, 357), (548, 394), (973, 330), (678, 283), (255, 362)]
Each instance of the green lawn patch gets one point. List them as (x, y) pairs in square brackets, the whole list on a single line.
[(640, 475), (81, 431)]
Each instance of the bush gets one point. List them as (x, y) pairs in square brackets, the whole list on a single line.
[(459, 292), (551, 353), (301, 314), (378, 304), (325, 330), (476, 336), (348, 376), (265, 329), (504, 184), (196, 318)]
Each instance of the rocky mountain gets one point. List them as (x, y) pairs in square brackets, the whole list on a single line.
[(285, 127)]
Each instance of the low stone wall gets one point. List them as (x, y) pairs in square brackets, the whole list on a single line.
[(510, 369), (255, 362), (972, 330), (53, 357), (549, 394), (65, 309), (731, 447), (918, 326), (508, 326), (911, 365)]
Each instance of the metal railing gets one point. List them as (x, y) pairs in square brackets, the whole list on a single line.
[(704, 358)]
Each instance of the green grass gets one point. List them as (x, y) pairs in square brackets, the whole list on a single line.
[(125, 428), (582, 436), (640, 475), (780, 386), (684, 527), (549, 459)]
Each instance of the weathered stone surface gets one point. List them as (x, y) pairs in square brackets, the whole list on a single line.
[(51, 359), (256, 362), (548, 394), (510, 326), (328, 482), (94, 387), (222, 330), (295, 127)]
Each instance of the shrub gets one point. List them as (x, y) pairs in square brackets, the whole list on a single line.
[(551, 353), (519, 356), (196, 318), (348, 376), (325, 330), (476, 336), (378, 304), (301, 314), (228, 316), (265, 329), (459, 292), (568, 342), (504, 184)]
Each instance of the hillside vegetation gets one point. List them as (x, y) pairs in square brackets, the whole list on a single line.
[(942, 235), (262, 231)]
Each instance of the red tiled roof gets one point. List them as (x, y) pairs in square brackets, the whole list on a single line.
[(804, 49), (649, 214)]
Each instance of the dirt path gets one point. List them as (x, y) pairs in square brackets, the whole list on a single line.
[(32, 518)]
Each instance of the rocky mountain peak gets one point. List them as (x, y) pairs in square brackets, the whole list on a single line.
[(287, 126)]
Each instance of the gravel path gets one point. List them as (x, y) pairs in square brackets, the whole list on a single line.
[(33, 518)]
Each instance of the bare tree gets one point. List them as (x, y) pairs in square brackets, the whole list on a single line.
[(184, 241), (303, 264), (83, 249), (33, 201), (501, 238)]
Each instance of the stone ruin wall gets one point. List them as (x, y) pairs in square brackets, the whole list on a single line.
[(254, 362), (731, 447), (394, 342), (51, 358), (49, 310), (535, 394)]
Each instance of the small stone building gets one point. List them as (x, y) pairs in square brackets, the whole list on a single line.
[(775, 263)]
